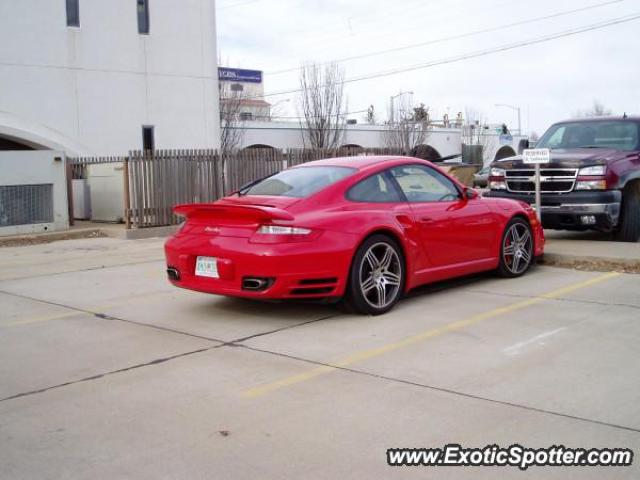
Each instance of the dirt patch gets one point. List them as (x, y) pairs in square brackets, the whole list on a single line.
[(24, 240), (591, 264)]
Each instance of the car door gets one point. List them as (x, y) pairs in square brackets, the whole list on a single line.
[(473, 230), (452, 229)]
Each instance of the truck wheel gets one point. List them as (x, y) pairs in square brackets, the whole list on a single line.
[(629, 230)]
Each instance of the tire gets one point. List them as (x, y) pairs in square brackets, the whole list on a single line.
[(376, 278), (516, 249), (629, 229)]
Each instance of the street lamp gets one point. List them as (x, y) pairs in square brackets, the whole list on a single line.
[(517, 109), (272, 107), (391, 99)]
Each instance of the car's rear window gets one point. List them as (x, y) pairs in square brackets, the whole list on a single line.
[(605, 134), (299, 182)]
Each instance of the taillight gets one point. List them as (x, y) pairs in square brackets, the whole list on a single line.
[(281, 230), (283, 234)]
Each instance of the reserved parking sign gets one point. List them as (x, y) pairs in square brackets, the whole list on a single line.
[(534, 156)]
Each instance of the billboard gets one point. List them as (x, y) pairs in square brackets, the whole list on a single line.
[(239, 75)]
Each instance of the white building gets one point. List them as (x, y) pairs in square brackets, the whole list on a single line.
[(102, 77), (242, 94)]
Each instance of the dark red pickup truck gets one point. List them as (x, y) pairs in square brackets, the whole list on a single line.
[(592, 182)]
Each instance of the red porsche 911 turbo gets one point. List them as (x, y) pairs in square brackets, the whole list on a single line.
[(362, 229)]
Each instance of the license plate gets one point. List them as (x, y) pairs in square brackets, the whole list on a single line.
[(207, 267)]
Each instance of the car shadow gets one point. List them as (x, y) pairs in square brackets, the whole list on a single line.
[(293, 309), (283, 310), (444, 285)]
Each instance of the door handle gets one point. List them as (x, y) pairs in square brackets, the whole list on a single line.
[(426, 220)]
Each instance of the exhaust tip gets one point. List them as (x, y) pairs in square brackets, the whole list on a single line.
[(256, 284), (173, 274)]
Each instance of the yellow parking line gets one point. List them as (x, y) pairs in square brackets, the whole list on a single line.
[(45, 318), (436, 332)]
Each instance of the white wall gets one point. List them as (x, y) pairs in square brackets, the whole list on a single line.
[(447, 141), (36, 168), (90, 89), (289, 135)]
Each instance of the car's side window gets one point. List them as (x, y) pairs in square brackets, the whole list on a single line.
[(423, 184), (375, 189)]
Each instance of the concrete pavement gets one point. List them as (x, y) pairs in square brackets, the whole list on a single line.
[(107, 371)]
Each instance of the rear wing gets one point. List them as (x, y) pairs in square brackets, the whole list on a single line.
[(232, 212)]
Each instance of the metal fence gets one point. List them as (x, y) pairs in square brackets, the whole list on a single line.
[(154, 182)]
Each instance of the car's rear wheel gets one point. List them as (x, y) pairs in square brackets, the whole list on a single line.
[(377, 276), (629, 230), (516, 249)]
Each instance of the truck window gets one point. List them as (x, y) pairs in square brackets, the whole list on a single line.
[(593, 134)]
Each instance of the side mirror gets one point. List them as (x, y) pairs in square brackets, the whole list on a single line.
[(470, 193)]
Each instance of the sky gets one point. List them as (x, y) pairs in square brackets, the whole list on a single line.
[(549, 81)]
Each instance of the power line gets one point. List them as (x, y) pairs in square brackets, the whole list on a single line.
[(237, 4), (480, 53), (454, 37), (337, 30)]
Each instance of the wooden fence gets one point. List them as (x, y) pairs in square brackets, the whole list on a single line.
[(154, 182)]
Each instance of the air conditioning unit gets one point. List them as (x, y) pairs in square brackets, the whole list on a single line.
[(106, 192)]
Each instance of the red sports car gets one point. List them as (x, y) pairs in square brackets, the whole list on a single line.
[(362, 229)]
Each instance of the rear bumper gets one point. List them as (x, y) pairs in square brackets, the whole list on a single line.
[(566, 211), (315, 269)]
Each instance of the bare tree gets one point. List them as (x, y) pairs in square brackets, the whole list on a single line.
[(475, 137), (322, 105), (231, 100), (474, 131), (597, 110), (409, 128), (231, 131)]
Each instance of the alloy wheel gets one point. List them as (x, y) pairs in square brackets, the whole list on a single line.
[(380, 275), (517, 248)]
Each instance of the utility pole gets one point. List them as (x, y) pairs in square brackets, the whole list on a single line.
[(517, 109), (391, 108)]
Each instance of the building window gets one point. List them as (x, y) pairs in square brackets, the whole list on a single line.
[(73, 13), (236, 87), (246, 116), (148, 139), (143, 16)]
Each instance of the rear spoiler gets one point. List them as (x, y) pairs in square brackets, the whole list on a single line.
[(236, 212)]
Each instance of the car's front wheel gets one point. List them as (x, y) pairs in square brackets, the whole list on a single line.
[(516, 249), (377, 276)]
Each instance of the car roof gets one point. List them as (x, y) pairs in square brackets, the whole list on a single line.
[(602, 119), (360, 162)]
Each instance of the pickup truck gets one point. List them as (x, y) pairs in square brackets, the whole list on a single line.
[(592, 182)]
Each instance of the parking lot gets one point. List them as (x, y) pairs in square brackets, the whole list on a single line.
[(107, 371)]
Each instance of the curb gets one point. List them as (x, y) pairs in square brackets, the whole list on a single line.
[(590, 263), (151, 232), (41, 238), (49, 237)]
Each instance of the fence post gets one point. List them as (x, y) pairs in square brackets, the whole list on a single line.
[(127, 196), (69, 175)]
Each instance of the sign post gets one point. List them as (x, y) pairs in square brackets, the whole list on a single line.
[(536, 157)]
